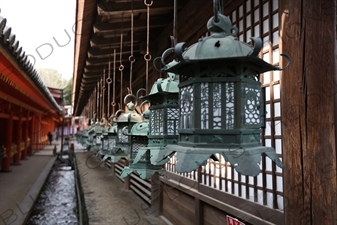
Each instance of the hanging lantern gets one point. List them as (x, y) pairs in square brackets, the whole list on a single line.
[(222, 104), (91, 137), (111, 140), (97, 143), (164, 119), (124, 123), (105, 144), (139, 139)]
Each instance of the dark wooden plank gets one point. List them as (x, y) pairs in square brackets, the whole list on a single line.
[(309, 137)]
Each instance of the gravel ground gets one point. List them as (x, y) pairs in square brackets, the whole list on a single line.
[(106, 199)]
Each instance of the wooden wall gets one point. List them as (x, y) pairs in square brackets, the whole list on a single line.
[(308, 34)]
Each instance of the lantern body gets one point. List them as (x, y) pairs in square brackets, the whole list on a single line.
[(139, 140), (124, 123), (222, 104), (164, 118), (105, 144)]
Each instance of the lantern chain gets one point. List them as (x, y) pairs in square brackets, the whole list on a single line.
[(147, 56), (121, 67), (131, 57)]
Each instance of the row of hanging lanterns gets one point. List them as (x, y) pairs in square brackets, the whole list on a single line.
[(210, 104)]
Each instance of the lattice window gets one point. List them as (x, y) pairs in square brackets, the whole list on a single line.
[(258, 18), (121, 137), (252, 111), (204, 105), (186, 104), (230, 105), (156, 122), (172, 121)]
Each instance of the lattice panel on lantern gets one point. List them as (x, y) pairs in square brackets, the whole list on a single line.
[(252, 105), (121, 137), (204, 99), (217, 123), (186, 98), (229, 105), (156, 122), (111, 142), (172, 121), (138, 142)]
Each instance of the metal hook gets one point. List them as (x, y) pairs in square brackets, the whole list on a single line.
[(141, 105), (139, 90), (163, 56), (118, 111), (288, 58), (154, 64), (148, 4), (130, 95)]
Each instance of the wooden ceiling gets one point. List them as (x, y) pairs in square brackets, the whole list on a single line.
[(105, 25)]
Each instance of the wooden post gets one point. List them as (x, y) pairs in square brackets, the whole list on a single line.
[(31, 135), (18, 137), (156, 195), (308, 97), (25, 138), (8, 142)]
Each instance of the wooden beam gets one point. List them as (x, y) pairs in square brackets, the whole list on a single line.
[(308, 35)]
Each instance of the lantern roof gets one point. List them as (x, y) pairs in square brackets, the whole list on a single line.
[(130, 116), (222, 47), (141, 128), (167, 85)]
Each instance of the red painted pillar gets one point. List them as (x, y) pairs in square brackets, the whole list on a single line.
[(18, 140), (25, 138), (8, 142), (31, 136)]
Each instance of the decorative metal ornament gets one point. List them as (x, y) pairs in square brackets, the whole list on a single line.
[(222, 104)]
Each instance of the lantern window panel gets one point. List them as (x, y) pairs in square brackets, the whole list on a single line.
[(137, 143), (217, 106), (157, 122), (204, 106), (186, 106), (252, 111), (172, 121), (121, 137), (230, 114)]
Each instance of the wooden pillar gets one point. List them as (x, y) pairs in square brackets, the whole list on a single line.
[(156, 195), (25, 138), (8, 142), (308, 98), (31, 135), (18, 139)]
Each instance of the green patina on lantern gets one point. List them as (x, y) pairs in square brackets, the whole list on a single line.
[(139, 140), (164, 117), (124, 122), (111, 140), (222, 104)]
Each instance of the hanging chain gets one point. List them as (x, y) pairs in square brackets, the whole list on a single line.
[(108, 81), (121, 67), (114, 84), (97, 98), (131, 57), (147, 56), (103, 94)]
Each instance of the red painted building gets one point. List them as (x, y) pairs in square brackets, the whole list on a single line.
[(28, 111)]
